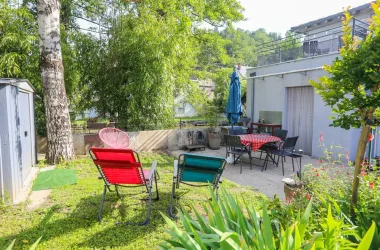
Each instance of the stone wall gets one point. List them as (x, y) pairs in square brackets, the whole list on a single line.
[(172, 139)]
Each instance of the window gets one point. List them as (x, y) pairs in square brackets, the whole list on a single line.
[(181, 110)]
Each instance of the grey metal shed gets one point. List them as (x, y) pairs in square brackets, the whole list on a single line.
[(17, 136)]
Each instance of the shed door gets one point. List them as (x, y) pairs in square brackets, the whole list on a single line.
[(300, 112), (25, 133)]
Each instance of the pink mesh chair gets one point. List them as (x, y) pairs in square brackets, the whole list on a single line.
[(114, 138)]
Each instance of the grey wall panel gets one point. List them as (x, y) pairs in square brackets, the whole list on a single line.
[(15, 142), (25, 133), (4, 138), (14, 121)]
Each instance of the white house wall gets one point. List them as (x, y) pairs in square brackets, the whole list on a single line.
[(189, 111), (269, 94)]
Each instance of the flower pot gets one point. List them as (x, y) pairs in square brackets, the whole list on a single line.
[(214, 140), (289, 190)]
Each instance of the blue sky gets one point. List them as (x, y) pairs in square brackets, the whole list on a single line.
[(279, 15)]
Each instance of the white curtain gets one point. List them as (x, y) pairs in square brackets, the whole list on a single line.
[(300, 105)]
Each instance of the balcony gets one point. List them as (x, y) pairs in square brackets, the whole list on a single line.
[(299, 46)]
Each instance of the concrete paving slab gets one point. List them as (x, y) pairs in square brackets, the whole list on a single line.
[(267, 182), (38, 198)]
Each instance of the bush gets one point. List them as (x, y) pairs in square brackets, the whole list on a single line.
[(230, 225), (331, 182)]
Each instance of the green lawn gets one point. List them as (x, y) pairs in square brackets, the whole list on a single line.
[(68, 220)]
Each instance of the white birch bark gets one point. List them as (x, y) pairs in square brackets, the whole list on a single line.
[(59, 136)]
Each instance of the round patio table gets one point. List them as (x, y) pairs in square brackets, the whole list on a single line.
[(255, 141)]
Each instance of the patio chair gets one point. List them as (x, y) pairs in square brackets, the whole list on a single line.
[(235, 130), (280, 133), (235, 147), (244, 121), (122, 168), (286, 149), (114, 138), (191, 168)]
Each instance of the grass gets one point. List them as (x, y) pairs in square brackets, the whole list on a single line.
[(68, 220)]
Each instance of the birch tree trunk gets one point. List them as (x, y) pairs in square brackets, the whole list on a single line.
[(59, 137)]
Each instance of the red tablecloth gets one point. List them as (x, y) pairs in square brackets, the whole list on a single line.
[(257, 140)]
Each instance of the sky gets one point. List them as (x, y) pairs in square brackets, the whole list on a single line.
[(280, 15)]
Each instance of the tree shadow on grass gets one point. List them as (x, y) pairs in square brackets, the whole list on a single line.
[(59, 221), (132, 236), (140, 237)]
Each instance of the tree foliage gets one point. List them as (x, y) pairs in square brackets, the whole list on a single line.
[(144, 56), (353, 89)]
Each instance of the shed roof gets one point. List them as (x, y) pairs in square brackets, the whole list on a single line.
[(329, 19), (23, 84)]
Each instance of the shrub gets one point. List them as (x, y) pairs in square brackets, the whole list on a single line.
[(331, 182), (230, 225)]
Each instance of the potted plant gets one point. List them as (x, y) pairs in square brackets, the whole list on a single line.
[(214, 136), (291, 186)]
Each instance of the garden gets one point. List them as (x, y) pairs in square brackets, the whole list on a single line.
[(68, 219), (318, 214), (334, 204)]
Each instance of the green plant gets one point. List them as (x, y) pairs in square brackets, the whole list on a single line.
[(229, 225), (10, 247), (331, 182), (211, 115), (353, 90)]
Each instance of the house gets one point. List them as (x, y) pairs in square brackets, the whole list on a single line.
[(185, 109), (278, 88)]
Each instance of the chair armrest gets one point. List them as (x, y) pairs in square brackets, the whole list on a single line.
[(175, 172), (152, 172)]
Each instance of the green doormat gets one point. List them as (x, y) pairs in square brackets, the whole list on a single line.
[(54, 178)]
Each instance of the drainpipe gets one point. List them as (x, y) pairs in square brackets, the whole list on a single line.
[(375, 142), (253, 74), (370, 148), (1, 174)]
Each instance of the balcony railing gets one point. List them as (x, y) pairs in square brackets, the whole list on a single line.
[(300, 46)]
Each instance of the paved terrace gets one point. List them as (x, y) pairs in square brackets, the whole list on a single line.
[(267, 182)]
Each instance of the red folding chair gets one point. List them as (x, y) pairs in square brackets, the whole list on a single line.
[(122, 167)]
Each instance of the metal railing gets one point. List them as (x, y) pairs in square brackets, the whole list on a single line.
[(306, 45)]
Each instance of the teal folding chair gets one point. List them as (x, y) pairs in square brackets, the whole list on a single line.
[(190, 169)]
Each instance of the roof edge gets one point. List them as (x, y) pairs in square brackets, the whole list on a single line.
[(329, 18), (15, 81)]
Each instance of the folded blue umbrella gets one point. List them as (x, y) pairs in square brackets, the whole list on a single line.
[(234, 107)]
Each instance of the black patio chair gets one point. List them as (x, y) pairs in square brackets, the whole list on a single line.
[(286, 149), (244, 121), (235, 130), (235, 147), (280, 133)]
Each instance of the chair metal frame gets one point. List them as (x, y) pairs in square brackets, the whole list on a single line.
[(278, 132), (286, 149), (235, 147), (108, 130), (180, 167), (146, 181)]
